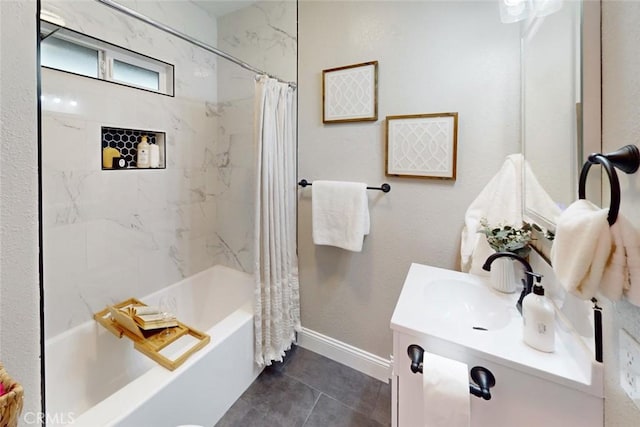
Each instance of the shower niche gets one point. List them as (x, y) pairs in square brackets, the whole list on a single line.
[(120, 147)]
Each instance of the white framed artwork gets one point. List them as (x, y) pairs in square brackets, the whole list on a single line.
[(350, 93), (422, 145)]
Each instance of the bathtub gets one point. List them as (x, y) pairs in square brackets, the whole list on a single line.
[(94, 379)]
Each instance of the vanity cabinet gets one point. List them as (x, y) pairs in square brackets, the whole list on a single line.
[(532, 388), (517, 399)]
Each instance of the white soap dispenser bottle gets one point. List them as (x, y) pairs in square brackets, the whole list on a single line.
[(538, 315), (154, 155), (143, 153)]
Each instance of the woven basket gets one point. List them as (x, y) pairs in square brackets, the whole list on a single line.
[(11, 401)]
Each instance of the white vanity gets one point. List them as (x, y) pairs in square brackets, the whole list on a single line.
[(438, 310)]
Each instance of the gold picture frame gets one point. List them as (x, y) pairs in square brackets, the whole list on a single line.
[(422, 145), (350, 93)]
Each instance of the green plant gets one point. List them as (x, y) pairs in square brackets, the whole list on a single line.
[(506, 238)]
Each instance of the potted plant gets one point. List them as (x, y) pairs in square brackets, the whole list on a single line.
[(507, 238)]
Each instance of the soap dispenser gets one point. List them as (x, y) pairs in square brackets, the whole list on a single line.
[(538, 316), (143, 153)]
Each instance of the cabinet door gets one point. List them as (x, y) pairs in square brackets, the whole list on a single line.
[(518, 399)]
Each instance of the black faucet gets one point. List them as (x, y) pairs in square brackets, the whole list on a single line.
[(527, 282)]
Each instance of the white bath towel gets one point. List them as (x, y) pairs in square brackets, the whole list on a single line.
[(581, 248), (500, 202), (340, 214)]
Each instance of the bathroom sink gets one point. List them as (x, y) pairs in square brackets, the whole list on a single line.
[(460, 316), (460, 303)]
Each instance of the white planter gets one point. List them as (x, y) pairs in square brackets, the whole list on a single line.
[(503, 275)]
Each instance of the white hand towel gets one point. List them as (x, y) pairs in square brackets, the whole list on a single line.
[(340, 214), (633, 291), (500, 202), (615, 279), (581, 248), (445, 386), (632, 248)]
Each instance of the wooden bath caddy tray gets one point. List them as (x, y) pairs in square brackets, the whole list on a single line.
[(150, 342)]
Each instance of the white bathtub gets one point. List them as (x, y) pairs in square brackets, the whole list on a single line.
[(94, 379)]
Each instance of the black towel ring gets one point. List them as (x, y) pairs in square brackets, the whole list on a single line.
[(627, 159)]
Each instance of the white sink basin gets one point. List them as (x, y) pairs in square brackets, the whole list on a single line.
[(460, 303)]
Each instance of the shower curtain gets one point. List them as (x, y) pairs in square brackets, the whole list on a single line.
[(277, 301)]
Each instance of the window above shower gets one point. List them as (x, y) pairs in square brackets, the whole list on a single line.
[(69, 51)]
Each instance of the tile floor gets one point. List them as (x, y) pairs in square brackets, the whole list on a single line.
[(310, 390)]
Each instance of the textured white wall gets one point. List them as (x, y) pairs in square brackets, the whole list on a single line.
[(19, 300), (620, 111), (434, 56)]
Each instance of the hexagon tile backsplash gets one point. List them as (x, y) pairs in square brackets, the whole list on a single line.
[(126, 142)]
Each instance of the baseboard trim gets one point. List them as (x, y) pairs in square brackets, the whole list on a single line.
[(353, 357)]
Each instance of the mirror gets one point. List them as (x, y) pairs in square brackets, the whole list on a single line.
[(560, 107)]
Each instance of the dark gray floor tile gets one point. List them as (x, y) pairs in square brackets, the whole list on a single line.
[(273, 400), (241, 414), (329, 412), (382, 410), (353, 388), (279, 366)]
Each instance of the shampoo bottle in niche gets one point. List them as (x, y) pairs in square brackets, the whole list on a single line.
[(154, 155), (143, 153), (538, 316)]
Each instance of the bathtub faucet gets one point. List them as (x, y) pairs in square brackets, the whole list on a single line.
[(527, 282)]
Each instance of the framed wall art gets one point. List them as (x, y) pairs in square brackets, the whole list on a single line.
[(350, 93), (422, 145)]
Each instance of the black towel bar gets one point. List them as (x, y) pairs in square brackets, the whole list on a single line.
[(482, 377), (385, 188), (627, 159)]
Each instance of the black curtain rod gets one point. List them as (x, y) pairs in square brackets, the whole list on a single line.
[(385, 188)]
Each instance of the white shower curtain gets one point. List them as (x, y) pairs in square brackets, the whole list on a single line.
[(277, 300)]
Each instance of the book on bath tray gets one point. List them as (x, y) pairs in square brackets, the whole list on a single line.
[(147, 317)]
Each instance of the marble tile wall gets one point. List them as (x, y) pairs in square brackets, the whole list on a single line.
[(262, 34), (110, 235)]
